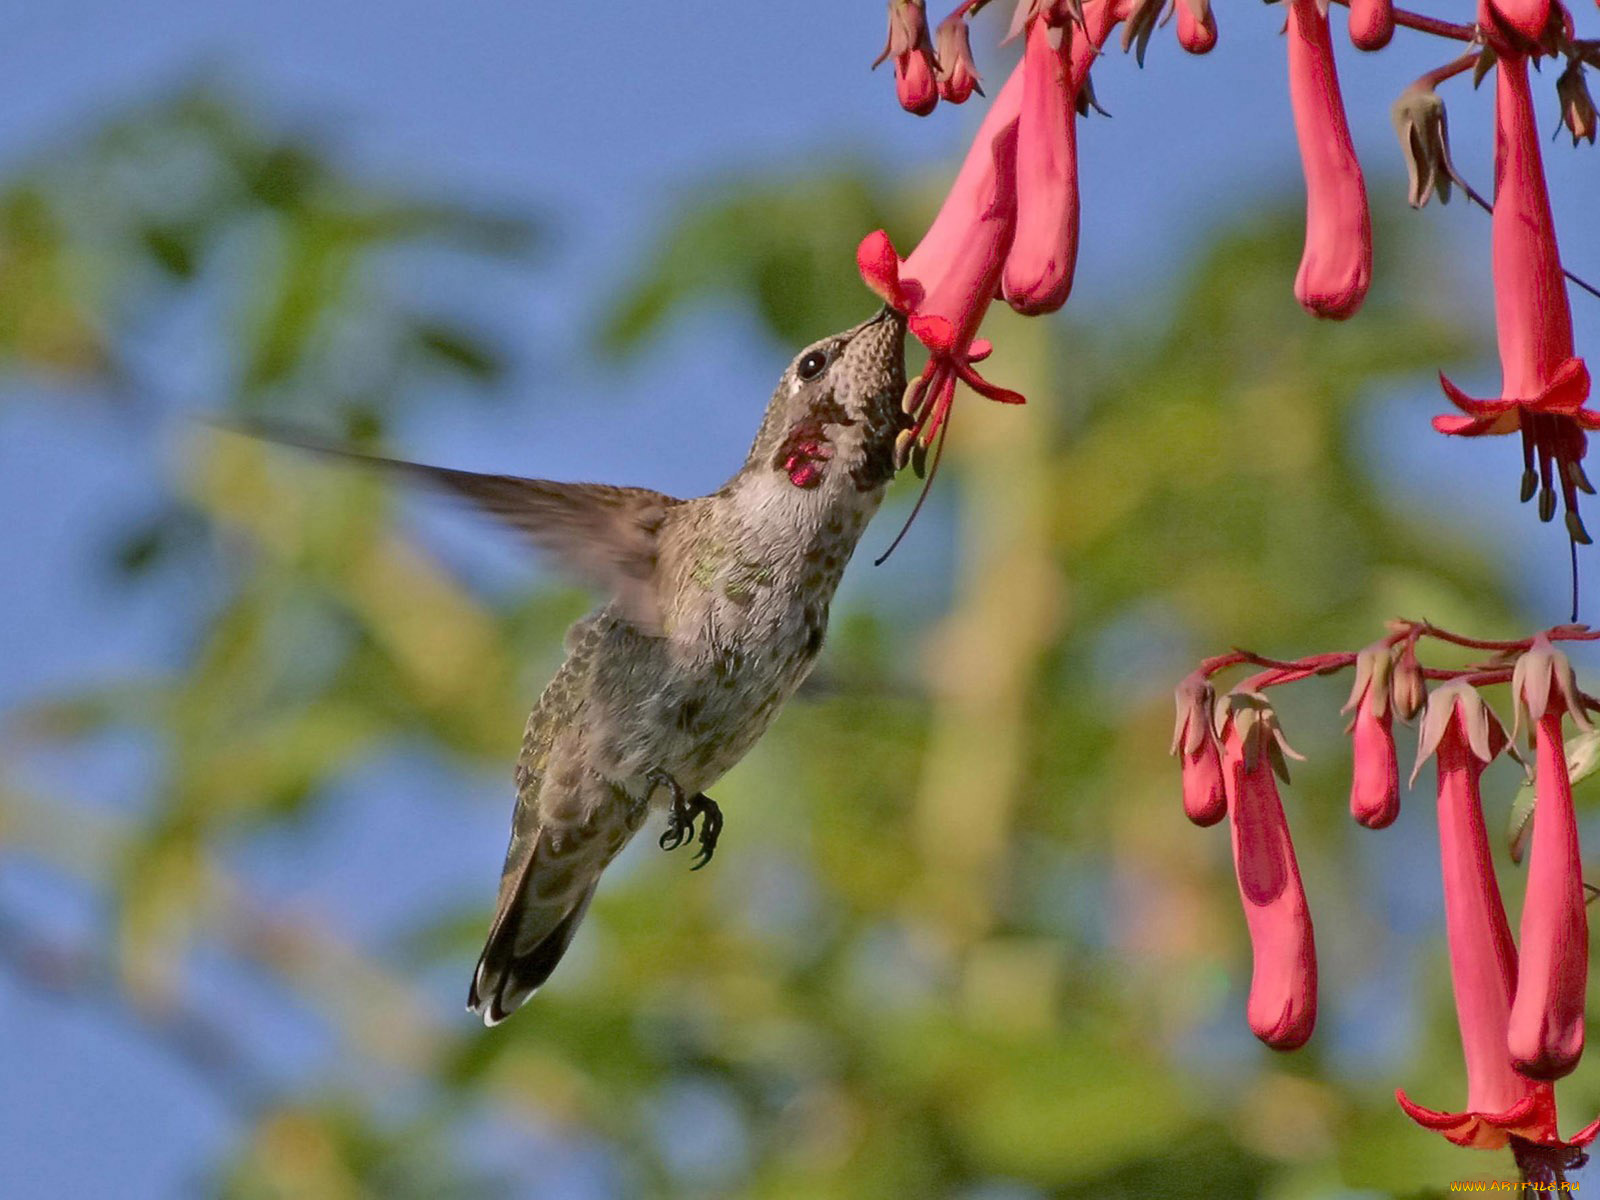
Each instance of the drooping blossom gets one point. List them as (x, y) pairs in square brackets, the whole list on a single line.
[(958, 73), (916, 71), (1283, 981), (1528, 18), (1336, 266), (1543, 385), (1502, 1103), (946, 284), (1375, 779), (1371, 23), (1546, 1031), (1197, 26), (1037, 276), (1194, 740)]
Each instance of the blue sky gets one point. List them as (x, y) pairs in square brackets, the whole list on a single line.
[(598, 118)]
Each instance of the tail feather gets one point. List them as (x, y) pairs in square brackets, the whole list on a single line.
[(519, 956)]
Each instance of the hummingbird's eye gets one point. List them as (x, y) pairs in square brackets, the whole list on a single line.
[(812, 364)]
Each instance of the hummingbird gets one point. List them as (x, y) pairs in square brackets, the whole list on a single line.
[(716, 610)]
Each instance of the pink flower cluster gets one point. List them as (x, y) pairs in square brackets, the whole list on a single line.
[(1009, 225), (1521, 1020)]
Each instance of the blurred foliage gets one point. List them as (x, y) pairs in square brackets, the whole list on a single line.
[(960, 942)]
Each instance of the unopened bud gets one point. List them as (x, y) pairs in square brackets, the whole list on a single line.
[(1420, 122), (1577, 106), (915, 68), (1197, 26), (1407, 687), (958, 74)]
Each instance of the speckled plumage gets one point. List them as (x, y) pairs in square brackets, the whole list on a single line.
[(708, 634), (718, 607)]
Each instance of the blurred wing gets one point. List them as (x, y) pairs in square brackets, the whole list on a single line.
[(606, 535)]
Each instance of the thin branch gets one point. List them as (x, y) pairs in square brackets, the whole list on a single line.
[(1422, 24)]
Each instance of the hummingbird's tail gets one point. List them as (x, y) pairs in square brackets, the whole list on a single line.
[(527, 940), (508, 973)]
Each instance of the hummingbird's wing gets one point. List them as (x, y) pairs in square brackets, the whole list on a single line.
[(604, 534), (568, 825)]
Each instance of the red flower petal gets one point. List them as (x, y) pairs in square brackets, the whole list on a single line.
[(880, 268), (1464, 426), (1470, 404)]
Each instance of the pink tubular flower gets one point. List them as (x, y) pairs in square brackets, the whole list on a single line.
[(1037, 276), (958, 74), (1375, 781), (1193, 738), (1546, 1032), (915, 69), (1197, 26), (1371, 23), (946, 284), (1283, 981), (1337, 264), (1543, 386), (1501, 1102), (1527, 17)]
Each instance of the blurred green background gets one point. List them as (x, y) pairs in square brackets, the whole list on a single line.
[(958, 941)]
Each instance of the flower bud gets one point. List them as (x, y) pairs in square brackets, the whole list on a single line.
[(1577, 106), (915, 69), (1407, 687), (1375, 779), (1194, 739), (1371, 23), (958, 74), (1419, 122), (1197, 26)]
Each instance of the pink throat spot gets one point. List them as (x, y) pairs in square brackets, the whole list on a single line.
[(804, 456)]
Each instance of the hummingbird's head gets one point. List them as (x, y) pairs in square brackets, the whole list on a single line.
[(837, 410)]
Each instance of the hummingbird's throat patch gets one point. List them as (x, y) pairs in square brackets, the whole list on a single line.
[(804, 454)]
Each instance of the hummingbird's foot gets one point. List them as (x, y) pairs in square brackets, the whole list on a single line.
[(710, 830), (681, 818)]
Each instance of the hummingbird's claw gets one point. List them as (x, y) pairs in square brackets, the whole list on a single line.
[(681, 818), (710, 830)]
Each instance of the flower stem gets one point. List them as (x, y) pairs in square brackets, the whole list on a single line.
[(1422, 24)]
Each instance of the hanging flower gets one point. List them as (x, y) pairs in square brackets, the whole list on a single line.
[(1037, 276), (1546, 1030), (1283, 982), (945, 286), (1195, 741), (1336, 266), (1371, 23), (1543, 385), (1502, 1103), (916, 71), (958, 73), (1375, 780)]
